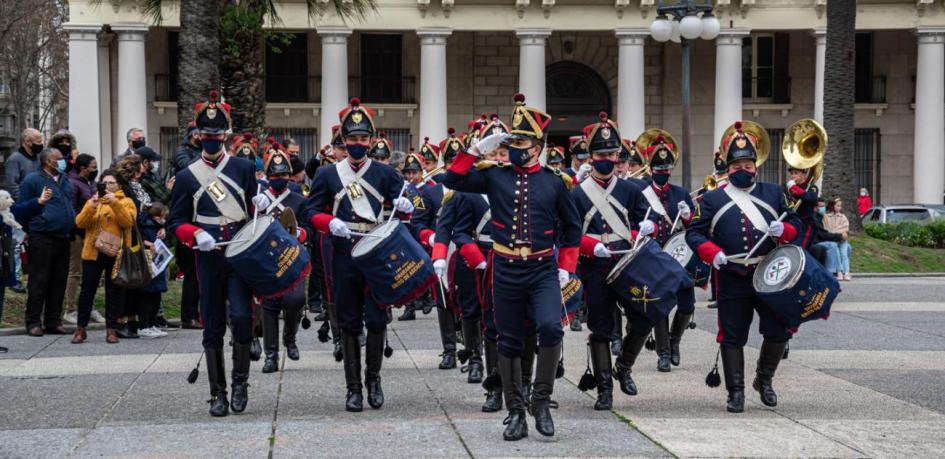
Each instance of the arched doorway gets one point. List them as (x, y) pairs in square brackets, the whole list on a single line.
[(575, 95)]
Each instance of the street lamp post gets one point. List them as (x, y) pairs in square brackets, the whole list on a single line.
[(684, 26)]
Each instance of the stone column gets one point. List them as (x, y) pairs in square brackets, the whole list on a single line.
[(820, 34), (84, 121), (630, 82), (334, 78), (928, 166), (105, 100), (433, 83), (132, 83), (728, 80), (531, 66)]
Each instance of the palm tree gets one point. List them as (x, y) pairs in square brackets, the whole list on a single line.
[(839, 97), (221, 46)]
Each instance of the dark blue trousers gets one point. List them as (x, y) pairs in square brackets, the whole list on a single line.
[(686, 301), (526, 291), (356, 309), (736, 312), (220, 286), (292, 300), (467, 291), (601, 301)]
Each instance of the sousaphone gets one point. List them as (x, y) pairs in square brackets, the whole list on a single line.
[(804, 146), (762, 144)]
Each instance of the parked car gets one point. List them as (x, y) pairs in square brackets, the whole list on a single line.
[(900, 213), (940, 208)]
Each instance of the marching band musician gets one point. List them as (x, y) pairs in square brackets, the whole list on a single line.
[(413, 174), (803, 196), (623, 161), (350, 196), (381, 148), (611, 208), (424, 224), (555, 157), (669, 202), (283, 202), (532, 212), (211, 201), (429, 156), (731, 222), (579, 156), (635, 164)]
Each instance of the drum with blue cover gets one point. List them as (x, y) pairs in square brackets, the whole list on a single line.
[(698, 270), (649, 278), (396, 267), (270, 260), (795, 286), (571, 295)]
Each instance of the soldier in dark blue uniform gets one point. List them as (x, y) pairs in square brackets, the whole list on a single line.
[(802, 196), (636, 165), (731, 221), (579, 155), (611, 208), (283, 202), (211, 201), (555, 156), (351, 196), (668, 203), (532, 209), (413, 174)]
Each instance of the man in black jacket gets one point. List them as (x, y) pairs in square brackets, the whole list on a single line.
[(188, 151)]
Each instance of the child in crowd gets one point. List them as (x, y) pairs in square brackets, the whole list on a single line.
[(152, 229)]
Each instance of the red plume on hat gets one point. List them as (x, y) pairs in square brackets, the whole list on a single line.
[(354, 104)]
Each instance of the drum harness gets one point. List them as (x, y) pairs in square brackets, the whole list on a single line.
[(354, 188), (604, 203), (230, 210), (748, 205)]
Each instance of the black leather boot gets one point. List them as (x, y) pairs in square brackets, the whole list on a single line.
[(493, 401), (270, 326), (630, 349), (447, 326), (472, 340), (240, 375), (680, 324), (290, 328), (410, 313), (516, 426), (661, 335), (540, 406), (216, 374), (603, 374), (768, 361), (374, 355), (352, 357), (733, 365), (427, 303), (528, 363), (616, 345)]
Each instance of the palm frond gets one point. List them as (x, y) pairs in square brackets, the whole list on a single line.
[(345, 9)]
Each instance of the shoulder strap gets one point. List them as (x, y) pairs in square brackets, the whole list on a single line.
[(353, 187), (654, 201), (599, 197), (744, 202), (207, 176)]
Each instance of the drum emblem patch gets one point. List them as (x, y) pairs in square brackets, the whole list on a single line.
[(680, 254), (777, 271)]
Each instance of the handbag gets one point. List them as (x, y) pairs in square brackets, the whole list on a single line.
[(107, 243), (132, 268)]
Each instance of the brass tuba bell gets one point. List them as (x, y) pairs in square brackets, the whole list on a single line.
[(762, 145), (647, 138), (804, 146)]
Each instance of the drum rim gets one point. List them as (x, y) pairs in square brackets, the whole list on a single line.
[(372, 243), (238, 247), (624, 261), (758, 277), (679, 235)]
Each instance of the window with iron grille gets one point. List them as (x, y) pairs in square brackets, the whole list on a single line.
[(866, 161), (287, 77), (382, 79), (399, 138), (774, 170)]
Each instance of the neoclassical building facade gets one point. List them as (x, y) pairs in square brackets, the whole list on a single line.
[(426, 65)]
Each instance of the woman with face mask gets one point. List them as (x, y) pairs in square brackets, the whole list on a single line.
[(731, 221)]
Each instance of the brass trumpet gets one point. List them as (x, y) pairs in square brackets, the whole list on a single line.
[(710, 183), (433, 172)]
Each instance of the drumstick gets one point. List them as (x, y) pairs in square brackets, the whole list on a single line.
[(394, 210), (256, 214), (675, 221), (355, 233), (762, 240), (637, 240)]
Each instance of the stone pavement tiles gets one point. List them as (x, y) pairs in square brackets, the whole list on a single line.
[(866, 383)]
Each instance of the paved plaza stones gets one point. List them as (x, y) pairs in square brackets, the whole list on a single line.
[(866, 383)]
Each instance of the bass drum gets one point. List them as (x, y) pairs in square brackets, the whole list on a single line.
[(794, 285), (698, 270)]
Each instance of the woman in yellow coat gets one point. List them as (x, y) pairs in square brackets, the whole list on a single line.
[(112, 212)]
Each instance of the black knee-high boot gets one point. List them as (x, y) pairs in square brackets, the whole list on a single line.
[(603, 375), (661, 335), (768, 360), (680, 324), (216, 374), (632, 344), (290, 328), (240, 387), (528, 364), (493, 397), (270, 326), (374, 355), (352, 358), (733, 365), (472, 341), (510, 370), (447, 337), (540, 406)]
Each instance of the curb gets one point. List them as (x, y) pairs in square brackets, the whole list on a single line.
[(878, 275), (14, 331)]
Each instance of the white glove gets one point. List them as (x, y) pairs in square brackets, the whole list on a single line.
[(791, 183), (488, 144), (431, 240), (563, 277), (776, 228), (647, 228), (205, 242), (403, 205), (481, 266), (601, 251), (261, 202), (583, 171), (684, 211), (439, 267), (338, 228), (719, 260)]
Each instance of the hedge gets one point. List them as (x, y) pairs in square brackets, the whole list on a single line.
[(930, 234)]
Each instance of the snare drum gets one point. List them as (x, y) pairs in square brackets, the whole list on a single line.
[(698, 270), (396, 267), (794, 285), (270, 260), (649, 278)]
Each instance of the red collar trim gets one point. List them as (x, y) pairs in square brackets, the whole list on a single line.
[(529, 170), (659, 190), (602, 182)]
